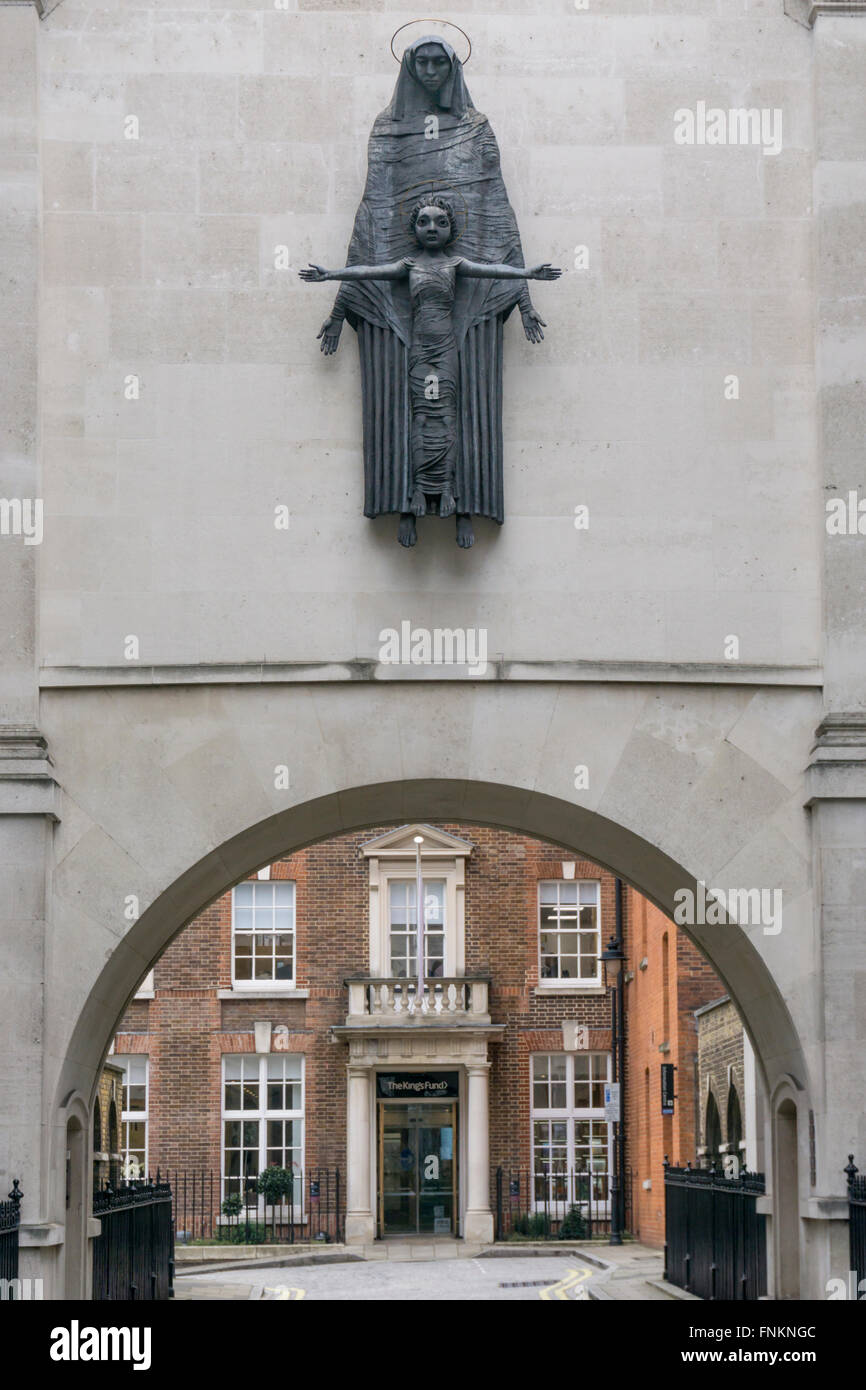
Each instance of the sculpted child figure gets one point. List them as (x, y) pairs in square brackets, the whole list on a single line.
[(433, 368)]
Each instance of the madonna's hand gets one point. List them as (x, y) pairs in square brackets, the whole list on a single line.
[(330, 334)]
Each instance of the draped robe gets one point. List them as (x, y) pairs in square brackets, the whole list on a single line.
[(404, 164)]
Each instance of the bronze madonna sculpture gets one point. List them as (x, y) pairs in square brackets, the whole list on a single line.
[(429, 320), (433, 359)]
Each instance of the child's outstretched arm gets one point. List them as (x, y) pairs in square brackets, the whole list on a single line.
[(315, 274), (483, 271)]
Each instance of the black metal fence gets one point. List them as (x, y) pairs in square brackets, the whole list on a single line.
[(715, 1239), (133, 1255), (856, 1220), (10, 1222), (311, 1210), (529, 1205)]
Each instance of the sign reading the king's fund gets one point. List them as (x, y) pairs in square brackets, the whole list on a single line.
[(417, 1085)]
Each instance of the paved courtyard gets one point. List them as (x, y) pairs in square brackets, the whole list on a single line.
[(629, 1273)]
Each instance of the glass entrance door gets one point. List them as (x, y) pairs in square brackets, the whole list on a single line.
[(417, 1169)]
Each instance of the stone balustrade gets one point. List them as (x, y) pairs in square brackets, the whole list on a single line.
[(387, 1000)]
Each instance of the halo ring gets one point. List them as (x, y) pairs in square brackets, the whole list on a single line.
[(449, 24)]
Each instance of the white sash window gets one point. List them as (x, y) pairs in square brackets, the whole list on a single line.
[(571, 1140)]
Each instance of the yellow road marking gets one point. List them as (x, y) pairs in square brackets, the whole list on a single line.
[(283, 1293), (561, 1290)]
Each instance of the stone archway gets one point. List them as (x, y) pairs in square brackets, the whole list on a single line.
[(652, 873), (619, 850), (687, 785)]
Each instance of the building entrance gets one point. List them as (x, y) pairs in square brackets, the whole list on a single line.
[(417, 1168)]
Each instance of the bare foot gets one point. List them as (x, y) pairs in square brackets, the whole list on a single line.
[(418, 505), (406, 531), (465, 533), (446, 503)]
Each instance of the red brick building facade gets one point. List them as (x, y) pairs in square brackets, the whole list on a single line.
[(671, 979), (522, 920)]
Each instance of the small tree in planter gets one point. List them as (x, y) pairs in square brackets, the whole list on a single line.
[(275, 1184), (238, 1232), (233, 1205), (278, 1185), (573, 1226)]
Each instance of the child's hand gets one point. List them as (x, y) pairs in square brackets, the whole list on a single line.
[(540, 272), (315, 274)]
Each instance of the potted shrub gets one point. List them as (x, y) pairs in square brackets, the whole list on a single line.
[(277, 1184)]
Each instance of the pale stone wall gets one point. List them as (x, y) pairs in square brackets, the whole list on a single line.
[(159, 263)]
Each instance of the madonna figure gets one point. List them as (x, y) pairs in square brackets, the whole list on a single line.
[(433, 275), (429, 144)]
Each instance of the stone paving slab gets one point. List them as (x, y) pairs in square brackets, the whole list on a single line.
[(222, 1254), (630, 1273), (230, 1292)]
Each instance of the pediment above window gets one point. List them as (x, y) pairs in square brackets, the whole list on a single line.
[(400, 844)]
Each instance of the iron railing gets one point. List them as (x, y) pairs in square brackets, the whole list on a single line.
[(856, 1221), (312, 1211), (133, 1255), (715, 1238), (10, 1222), (528, 1204)]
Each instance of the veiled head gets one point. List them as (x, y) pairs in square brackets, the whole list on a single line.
[(430, 64), (430, 79)]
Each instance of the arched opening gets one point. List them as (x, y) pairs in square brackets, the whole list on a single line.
[(77, 1204), (113, 1145), (786, 1201), (99, 1158), (712, 1132), (576, 831), (735, 1122)]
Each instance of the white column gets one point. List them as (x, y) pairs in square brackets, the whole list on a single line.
[(479, 1218), (360, 1225)]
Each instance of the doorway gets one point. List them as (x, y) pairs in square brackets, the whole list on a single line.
[(417, 1168)]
